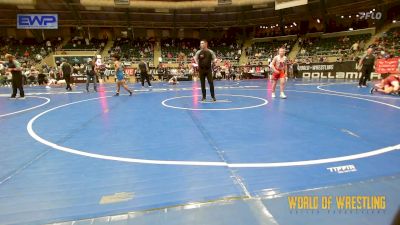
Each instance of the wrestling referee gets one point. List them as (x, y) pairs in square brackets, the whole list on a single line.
[(204, 58)]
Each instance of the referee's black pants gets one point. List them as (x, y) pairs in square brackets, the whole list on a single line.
[(68, 81), (143, 76), (17, 83), (366, 75), (203, 75)]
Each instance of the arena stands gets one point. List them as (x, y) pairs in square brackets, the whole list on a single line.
[(80, 43), (179, 50), (389, 44), (333, 46), (263, 51), (133, 50), (28, 50), (183, 50)]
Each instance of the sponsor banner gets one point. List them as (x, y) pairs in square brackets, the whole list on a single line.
[(391, 65), (334, 70), (37, 21), (129, 71)]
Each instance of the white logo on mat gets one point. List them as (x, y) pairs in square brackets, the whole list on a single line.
[(342, 169)]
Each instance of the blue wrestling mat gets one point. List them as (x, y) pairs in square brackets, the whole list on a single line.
[(162, 156)]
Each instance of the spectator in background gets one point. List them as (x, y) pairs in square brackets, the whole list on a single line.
[(43, 51), (354, 47), (26, 54), (48, 44), (295, 69), (361, 45), (32, 76), (38, 57)]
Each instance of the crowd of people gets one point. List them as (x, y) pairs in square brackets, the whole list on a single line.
[(84, 43), (183, 50), (28, 51), (265, 51), (133, 50), (388, 45), (227, 52), (335, 46)]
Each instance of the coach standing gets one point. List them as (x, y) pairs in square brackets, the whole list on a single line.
[(367, 62), (14, 67), (204, 58)]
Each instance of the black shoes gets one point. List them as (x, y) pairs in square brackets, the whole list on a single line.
[(130, 93), (15, 97), (213, 99)]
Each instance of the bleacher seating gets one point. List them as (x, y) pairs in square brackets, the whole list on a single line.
[(179, 50), (80, 43), (226, 49), (267, 50), (389, 44), (134, 50), (333, 46), (183, 50), (26, 50)]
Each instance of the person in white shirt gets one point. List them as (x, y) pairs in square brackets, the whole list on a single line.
[(279, 68), (354, 47)]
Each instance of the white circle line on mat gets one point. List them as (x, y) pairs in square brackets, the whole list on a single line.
[(320, 87), (28, 109), (264, 102), (33, 134)]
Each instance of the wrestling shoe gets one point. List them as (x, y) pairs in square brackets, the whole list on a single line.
[(372, 90)]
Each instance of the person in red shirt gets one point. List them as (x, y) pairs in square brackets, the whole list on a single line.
[(389, 85), (26, 54)]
